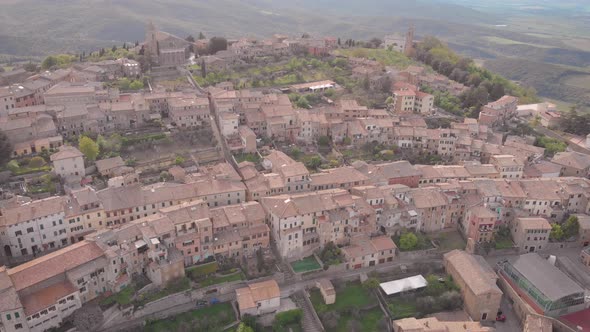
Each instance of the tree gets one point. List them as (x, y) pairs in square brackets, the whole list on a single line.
[(88, 147), (203, 69), (324, 141), (426, 305), (371, 283), (190, 38), (375, 42), (557, 233), (36, 162), (49, 62), (571, 227), (295, 153), (408, 241), (5, 148), (202, 36), (497, 91), (30, 67), (244, 328), (249, 320), (179, 160), (302, 102), (136, 85), (13, 166), (313, 162), (217, 44), (285, 318)]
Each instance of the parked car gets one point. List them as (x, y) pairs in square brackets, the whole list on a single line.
[(500, 317), (202, 303), (214, 301)]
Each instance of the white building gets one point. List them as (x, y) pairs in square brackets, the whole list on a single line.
[(229, 123), (68, 163)]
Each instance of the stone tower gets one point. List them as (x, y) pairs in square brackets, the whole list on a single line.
[(151, 42), (409, 45)]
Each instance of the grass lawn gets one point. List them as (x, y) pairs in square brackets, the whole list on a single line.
[(251, 157), (27, 170), (449, 240), (217, 316), (221, 279), (196, 272), (369, 320), (307, 264), (503, 243), (351, 295), (402, 307)]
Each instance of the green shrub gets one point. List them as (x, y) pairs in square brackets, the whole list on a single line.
[(13, 166), (408, 241), (36, 162), (283, 319)]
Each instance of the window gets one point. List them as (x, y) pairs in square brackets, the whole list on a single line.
[(16, 315), (8, 317), (18, 326)]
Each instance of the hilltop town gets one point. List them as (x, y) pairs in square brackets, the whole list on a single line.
[(298, 183)]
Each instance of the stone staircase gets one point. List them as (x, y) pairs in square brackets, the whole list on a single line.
[(311, 322)]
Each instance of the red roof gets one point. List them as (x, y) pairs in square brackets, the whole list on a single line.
[(580, 318)]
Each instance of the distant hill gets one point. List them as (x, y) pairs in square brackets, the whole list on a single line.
[(554, 32), (38, 27)]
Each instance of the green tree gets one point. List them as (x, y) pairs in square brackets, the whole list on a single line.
[(313, 162), (434, 287), (295, 153), (244, 328), (136, 85), (36, 162), (408, 241), (49, 62), (324, 141), (5, 148), (202, 36), (371, 283), (557, 233), (179, 160), (124, 83), (13, 166), (88, 147), (30, 67), (217, 44), (302, 102), (571, 227)]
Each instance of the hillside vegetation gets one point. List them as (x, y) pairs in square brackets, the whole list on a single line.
[(551, 81)]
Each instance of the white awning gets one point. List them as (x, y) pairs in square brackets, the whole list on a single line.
[(139, 244), (155, 241), (403, 285)]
